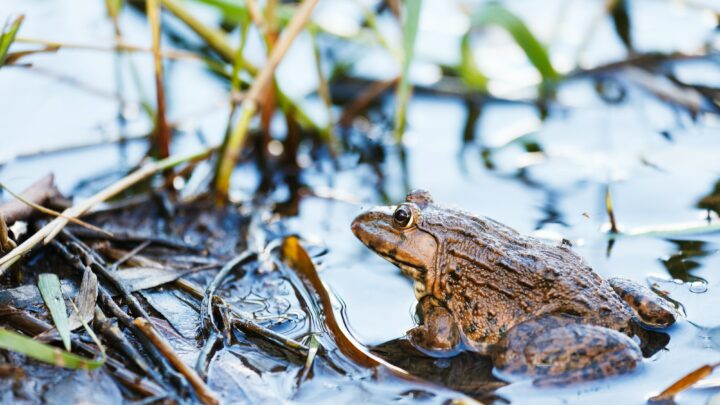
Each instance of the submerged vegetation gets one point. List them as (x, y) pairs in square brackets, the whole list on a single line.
[(185, 286)]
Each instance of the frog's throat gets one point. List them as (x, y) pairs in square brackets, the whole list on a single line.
[(415, 273)]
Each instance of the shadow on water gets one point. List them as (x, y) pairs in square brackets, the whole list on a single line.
[(711, 202), (467, 372)]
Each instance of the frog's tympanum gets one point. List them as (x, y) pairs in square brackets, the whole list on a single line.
[(536, 309)]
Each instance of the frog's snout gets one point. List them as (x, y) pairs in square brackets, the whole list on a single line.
[(362, 226), (356, 226), (372, 226)]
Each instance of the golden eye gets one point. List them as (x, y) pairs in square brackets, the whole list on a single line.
[(403, 216)]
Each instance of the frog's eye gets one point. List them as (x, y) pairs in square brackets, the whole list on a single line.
[(403, 216)]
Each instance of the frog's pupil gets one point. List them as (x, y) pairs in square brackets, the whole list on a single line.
[(401, 216)]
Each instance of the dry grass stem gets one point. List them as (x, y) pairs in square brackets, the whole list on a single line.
[(54, 213), (161, 138), (120, 46)]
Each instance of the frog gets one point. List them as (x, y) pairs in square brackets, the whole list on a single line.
[(537, 309)]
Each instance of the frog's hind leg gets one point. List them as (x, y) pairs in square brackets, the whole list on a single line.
[(556, 350), (651, 309)]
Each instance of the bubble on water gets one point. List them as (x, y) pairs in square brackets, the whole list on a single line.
[(698, 287)]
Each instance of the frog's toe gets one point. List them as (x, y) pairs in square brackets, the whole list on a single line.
[(651, 309), (567, 354), (433, 340), (439, 334)]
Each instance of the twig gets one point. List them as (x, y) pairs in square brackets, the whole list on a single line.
[(214, 340), (207, 316), (247, 326), (49, 231), (274, 337), (129, 255), (644, 60), (42, 150), (213, 343), (204, 394), (115, 338), (131, 237)]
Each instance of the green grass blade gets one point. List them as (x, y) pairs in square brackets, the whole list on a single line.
[(43, 352), (8, 36), (214, 38), (233, 11), (497, 15), (113, 8), (372, 24), (327, 134), (411, 21), (49, 285), (470, 74)]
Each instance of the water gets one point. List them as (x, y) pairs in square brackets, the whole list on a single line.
[(657, 162)]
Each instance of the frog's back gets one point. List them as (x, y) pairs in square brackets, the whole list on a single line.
[(493, 278)]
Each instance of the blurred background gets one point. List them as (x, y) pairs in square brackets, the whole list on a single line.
[(544, 115)]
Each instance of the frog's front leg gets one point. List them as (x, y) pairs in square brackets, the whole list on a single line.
[(555, 350), (651, 309), (438, 333)]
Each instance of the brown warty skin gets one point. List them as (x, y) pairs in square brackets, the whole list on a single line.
[(537, 309)]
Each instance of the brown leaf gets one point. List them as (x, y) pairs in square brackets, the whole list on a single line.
[(297, 258), (85, 300)]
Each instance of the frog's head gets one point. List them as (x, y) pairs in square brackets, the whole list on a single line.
[(396, 233)]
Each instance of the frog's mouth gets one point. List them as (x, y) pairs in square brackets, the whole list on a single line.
[(413, 272)]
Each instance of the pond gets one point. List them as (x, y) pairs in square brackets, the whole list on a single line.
[(548, 172)]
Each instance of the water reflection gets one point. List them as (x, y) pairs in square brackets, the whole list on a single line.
[(711, 202), (685, 260)]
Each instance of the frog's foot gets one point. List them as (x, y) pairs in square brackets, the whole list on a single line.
[(438, 335), (651, 309), (555, 350)]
